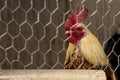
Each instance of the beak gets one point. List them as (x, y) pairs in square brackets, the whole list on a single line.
[(68, 32)]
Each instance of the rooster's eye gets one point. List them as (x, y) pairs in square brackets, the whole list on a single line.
[(79, 28)]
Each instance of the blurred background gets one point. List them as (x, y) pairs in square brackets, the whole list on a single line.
[(32, 31)]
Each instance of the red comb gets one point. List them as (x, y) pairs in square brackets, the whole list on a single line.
[(76, 16)]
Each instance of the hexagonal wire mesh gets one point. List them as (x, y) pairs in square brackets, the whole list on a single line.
[(32, 31)]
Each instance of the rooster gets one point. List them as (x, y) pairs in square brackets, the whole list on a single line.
[(84, 50)]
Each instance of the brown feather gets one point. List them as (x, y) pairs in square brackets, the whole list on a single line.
[(78, 62), (109, 73)]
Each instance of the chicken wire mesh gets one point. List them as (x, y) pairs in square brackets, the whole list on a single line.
[(32, 31)]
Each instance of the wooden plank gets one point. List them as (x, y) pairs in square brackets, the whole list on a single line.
[(52, 75)]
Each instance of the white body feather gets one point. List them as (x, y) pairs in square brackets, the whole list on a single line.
[(92, 50)]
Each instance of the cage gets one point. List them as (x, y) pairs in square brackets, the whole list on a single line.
[(32, 34)]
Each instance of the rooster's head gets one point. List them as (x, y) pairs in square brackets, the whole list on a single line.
[(74, 28)]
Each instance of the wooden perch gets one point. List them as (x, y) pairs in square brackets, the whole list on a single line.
[(52, 75)]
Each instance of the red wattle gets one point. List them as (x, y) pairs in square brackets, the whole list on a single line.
[(75, 36)]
